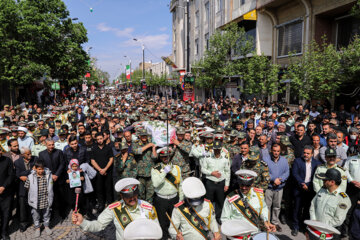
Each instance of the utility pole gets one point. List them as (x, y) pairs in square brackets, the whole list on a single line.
[(187, 36), (143, 65)]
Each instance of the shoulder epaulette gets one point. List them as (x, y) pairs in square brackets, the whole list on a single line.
[(233, 198), (206, 200), (131, 154), (117, 155), (114, 205), (224, 149), (342, 168), (179, 204), (263, 162), (344, 195), (147, 206), (258, 190)]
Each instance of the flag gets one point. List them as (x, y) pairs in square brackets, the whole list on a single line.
[(87, 75), (128, 72)]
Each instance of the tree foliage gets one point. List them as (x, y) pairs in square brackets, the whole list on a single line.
[(350, 62), (38, 38), (316, 75)]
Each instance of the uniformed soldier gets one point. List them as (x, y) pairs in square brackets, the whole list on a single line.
[(330, 156), (181, 152), (145, 154), (317, 230), (3, 139), (41, 146), (122, 212), (141, 229), (232, 146), (167, 180), (247, 203), (126, 163), (194, 218), (238, 229), (330, 205), (216, 169), (62, 142), (257, 165)]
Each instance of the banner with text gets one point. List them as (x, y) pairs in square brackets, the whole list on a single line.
[(189, 88)]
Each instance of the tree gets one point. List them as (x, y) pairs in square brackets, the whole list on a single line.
[(350, 59), (38, 38), (218, 65), (316, 75), (261, 76)]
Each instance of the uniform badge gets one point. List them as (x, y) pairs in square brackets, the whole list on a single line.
[(344, 177), (342, 206)]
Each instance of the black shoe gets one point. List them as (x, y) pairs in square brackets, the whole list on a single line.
[(294, 232), (283, 219)]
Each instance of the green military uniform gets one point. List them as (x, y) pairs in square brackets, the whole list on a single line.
[(186, 225), (262, 170), (234, 207), (145, 162), (121, 215), (330, 208), (289, 155), (167, 185), (127, 168), (318, 183), (181, 157), (37, 148)]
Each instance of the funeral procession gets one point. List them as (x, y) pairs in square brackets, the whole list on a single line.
[(180, 119)]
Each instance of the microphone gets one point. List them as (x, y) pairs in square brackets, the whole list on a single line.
[(77, 191)]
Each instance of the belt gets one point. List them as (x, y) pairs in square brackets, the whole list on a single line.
[(167, 196), (220, 182)]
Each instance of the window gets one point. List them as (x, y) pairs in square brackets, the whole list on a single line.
[(242, 2), (347, 28), (196, 46), (207, 11), (290, 38), (218, 5), (197, 18), (207, 41)]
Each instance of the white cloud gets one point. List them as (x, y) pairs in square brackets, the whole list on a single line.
[(102, 27), (151, 41), (163, 29)]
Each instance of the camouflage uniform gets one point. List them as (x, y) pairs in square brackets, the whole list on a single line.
[(260, 167), (127, 169), (181, 157), (145, 162)]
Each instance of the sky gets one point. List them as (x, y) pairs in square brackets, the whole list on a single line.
[(114, 24)]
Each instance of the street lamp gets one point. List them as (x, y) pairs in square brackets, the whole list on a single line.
[(143, 60)]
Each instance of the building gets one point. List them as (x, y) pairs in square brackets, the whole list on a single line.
[(278, 27), (147, 65)]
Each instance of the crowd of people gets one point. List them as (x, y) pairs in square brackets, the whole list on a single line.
[(230, 160)]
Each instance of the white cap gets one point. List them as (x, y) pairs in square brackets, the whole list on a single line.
[(193, 188), (126, 185), (319, 229), (237, 228), (246, 174), (23, 129), (143, 228)]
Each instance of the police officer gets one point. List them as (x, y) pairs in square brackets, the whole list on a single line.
[(122, 212), (62, 142), (330, 205), (194, 217), (216, 169), (330, 156), (238, 229), (41, 146), (317, 230), (167, 180), (3, 140), (143, 228), (247, 203)]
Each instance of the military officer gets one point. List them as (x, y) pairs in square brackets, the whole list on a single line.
[(317, 230), (247, 203), (216, 169), (238, 229), (145, 154), (41, 146), (257, 165), (181, 152), (232, 146), (62, 142), (143, 228), (3, 140), (122, 212), (330, 205), (167, 180), (127, 166), (330, 156), (194, 218)]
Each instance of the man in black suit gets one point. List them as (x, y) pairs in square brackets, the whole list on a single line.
[(54, 160), (23, 168), (80, 116), (6, 180), (303, 171)]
